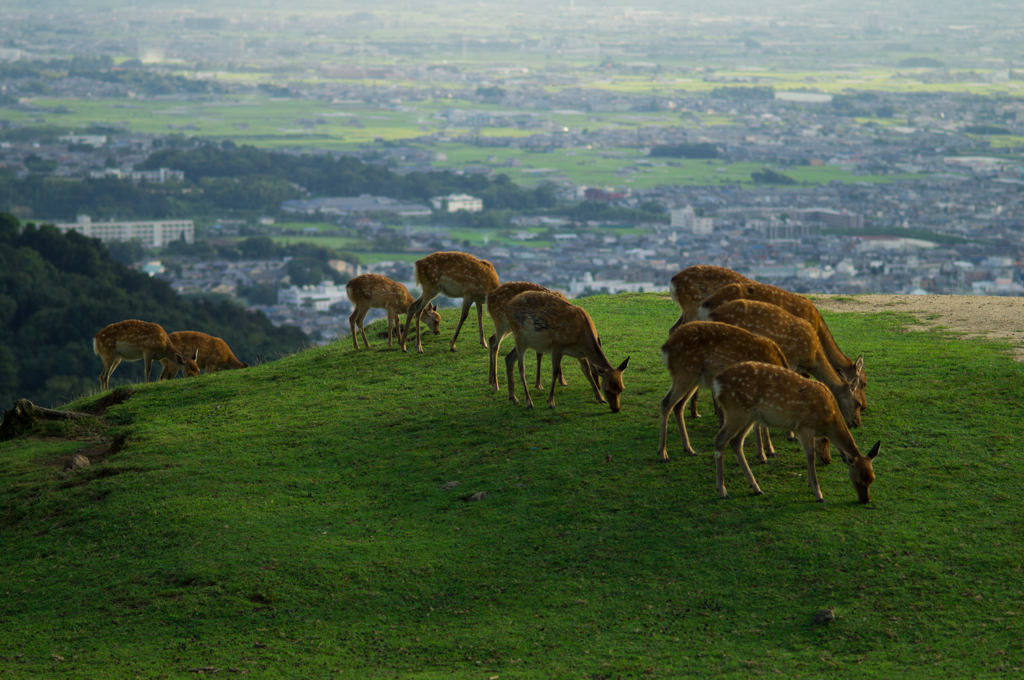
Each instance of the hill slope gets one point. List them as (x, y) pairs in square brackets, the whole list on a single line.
[(291, 520), (57, 291)]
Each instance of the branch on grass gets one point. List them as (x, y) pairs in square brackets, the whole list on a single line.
[(24, 414)]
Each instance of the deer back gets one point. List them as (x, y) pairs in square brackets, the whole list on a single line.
[(548, 321), (211, 353), (380, 292), (778, 397), (457, 275), (695, 284), (498, 299), (794, 336), (801, 345), (705, 348)]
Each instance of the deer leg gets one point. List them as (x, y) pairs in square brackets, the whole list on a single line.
[(589, 373), (466, 304), (540, 359), (556, 368), (415, 309), (520, 359), (510, 359), (391, 317), (352, 327), (362, 330), (764, 444), (807, 441), (733, 432), (673, 402), (693, 405), (737, 447), (480, 322), (108, 369), (419, 335), (791, 436), (492, 361)]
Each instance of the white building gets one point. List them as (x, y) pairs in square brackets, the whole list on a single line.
[(588, 283), (91, 140), (152, 176), (686, 219), (458, 202), (152, 233), (320, 297)]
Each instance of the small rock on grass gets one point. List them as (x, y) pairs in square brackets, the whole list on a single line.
[(824, 616), (76, 462), (449, 486), (478, 496)]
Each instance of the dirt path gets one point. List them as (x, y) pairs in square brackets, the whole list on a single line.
[(972, 316)]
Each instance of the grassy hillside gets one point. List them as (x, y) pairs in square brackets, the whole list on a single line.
[(290, 520)]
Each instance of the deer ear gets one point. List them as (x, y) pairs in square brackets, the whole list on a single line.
[(623, 365), (874, 450), (860, 364), (195, 355)]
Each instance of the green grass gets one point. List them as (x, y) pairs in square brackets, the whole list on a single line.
[(289, 520)]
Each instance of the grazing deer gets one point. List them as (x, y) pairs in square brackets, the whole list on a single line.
[(799, 342), (132, 340), (751, 393), (694, 355), (692, 286), (497, 302), (210, 354), (457, 275), (369, 291), (802, 308), (548, 324), (695, 284)]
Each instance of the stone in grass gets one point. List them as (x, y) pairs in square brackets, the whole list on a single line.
[(449, 486), (824, 616), (478, 496), (76, 462)]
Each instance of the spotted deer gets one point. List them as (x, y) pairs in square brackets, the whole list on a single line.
[(752, 394), (373, 291), (497, 302), (694, 355), (210, 354), (548, 324), (132, 340), (799, 342), (457, 275), (692, 286), (802, 308)]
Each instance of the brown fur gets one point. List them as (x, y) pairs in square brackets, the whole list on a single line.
[(695, 284), (132, 340), (694, 355), (799, 342), (802, 308), (212, 354), (548, 324), (692, 286), (751, 393), (497, 302), (373, 291), (456, 275)]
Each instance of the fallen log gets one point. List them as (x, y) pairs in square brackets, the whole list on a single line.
[(24, 414)]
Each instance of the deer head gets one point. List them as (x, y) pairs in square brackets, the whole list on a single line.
[(611, 383), (432, 318), (862, 473)]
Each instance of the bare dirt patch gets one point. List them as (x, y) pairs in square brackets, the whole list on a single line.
[(969, 316)]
